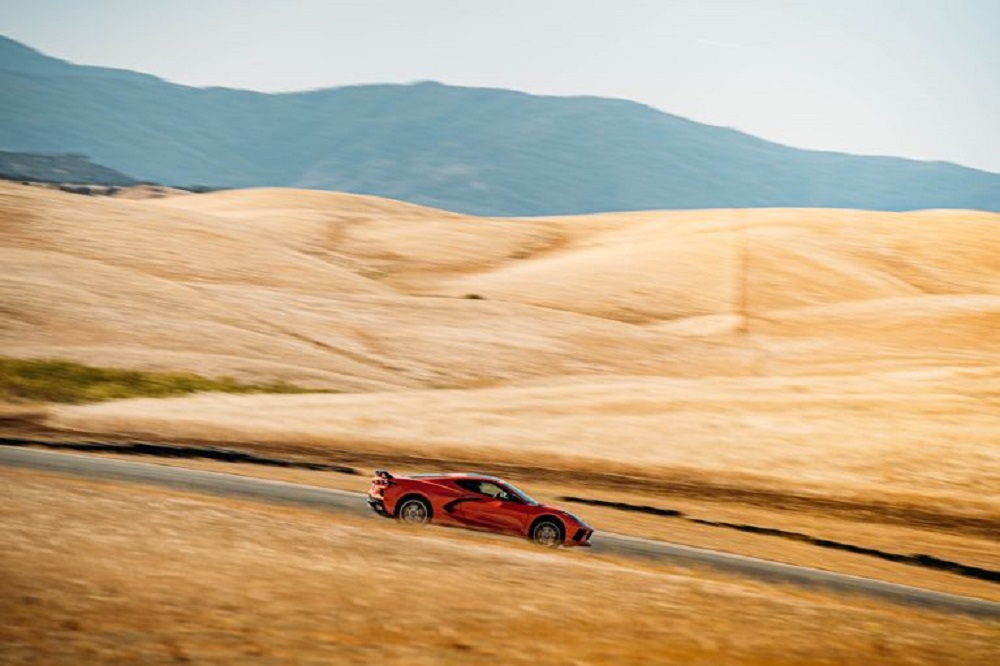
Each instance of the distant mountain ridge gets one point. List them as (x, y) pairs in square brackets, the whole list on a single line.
[(18, 57), (474, 150)]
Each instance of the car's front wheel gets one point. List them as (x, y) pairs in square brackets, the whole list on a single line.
[(547, 533), (414, 511)]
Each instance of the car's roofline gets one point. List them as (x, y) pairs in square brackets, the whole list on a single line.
[(458, 475)]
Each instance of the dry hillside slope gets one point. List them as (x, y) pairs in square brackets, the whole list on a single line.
[(363, 293), (834, 348)]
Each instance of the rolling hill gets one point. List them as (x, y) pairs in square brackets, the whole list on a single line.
[(851, 353), (478, 151)]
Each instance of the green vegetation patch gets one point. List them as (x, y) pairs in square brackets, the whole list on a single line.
[(55, 380)]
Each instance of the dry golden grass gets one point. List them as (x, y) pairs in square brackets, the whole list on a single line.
[(845, 355), (101, 573)]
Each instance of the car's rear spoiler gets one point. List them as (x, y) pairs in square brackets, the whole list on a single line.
[(384, 474)]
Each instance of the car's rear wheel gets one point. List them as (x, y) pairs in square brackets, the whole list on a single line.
[(547, 533), (414, 511)]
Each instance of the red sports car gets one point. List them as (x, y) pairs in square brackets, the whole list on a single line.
[(476, 501)]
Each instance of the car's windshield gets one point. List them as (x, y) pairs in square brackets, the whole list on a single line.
[(519, 494)]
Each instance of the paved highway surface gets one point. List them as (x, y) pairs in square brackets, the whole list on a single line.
[(353, 503)]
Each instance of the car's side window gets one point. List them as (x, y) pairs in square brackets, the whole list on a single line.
[(487, 488), (495, 491), (491, 489)]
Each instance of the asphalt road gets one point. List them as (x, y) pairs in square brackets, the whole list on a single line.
[(341, 501)]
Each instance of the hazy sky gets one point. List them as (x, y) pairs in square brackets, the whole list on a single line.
[(914, 78)]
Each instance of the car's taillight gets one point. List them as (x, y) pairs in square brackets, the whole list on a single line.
[(380, 484)]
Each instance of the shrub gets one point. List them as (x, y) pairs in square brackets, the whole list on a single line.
[(56, 380)]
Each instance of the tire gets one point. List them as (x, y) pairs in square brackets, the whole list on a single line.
[(413, 511), (548, 533)]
